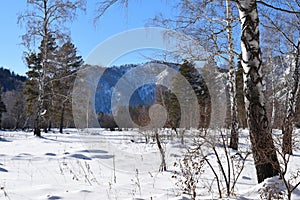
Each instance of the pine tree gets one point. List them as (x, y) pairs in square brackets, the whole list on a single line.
[(173, 108), (49, 48), (68, 62), (31, 90), (200, 89)]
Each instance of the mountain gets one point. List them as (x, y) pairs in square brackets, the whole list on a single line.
[(9, 80), (144, 95)]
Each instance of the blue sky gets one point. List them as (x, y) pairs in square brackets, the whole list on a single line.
[(84, 34)]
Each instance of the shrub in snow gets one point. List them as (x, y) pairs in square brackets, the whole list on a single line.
[(273, 188)]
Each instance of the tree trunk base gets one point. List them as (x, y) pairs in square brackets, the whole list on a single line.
[(37, 132), (233, 142), (287, 144), (263, 171)]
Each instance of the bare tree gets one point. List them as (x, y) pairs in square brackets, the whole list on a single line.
[(103, 5), (287, 25), (264, 152), (270, 69), (281, 54), (287, 128), (163, 165), (232, 80), (291, 183), (45, 19)]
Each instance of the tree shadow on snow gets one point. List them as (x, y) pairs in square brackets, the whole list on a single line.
[(103, 156), (296, 192), (93, 151), (97, 152), (3, 170), (55, 140), (50, 154), (80, 156), (4, 140), (53, 197)]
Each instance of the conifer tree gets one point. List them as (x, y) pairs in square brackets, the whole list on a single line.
[(31, 89), (68, 62), (200, 89), (49, 70)]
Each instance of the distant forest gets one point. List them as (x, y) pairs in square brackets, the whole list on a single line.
[(10, 80)]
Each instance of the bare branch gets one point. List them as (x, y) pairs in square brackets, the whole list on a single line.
[(276, 27), (277, 8), (103, 6)]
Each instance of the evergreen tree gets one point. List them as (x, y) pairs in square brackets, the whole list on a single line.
[(68, 62), (31, 89), (50, 48), (173, 108), (200, 89)]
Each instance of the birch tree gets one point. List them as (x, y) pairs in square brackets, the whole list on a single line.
[(232, 80), (287, 128), (44, 19), (263, 149), (287, 25)]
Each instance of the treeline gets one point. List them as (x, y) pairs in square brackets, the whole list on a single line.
[(19, 94), (12, 102), (22, 99), (275, 104), (10, 80)]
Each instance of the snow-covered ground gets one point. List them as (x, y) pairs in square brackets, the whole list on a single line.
[(99, 164)]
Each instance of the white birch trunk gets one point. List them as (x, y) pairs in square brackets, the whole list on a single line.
[(287, 128), (232, 87), (273, 96), (263, 149)]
